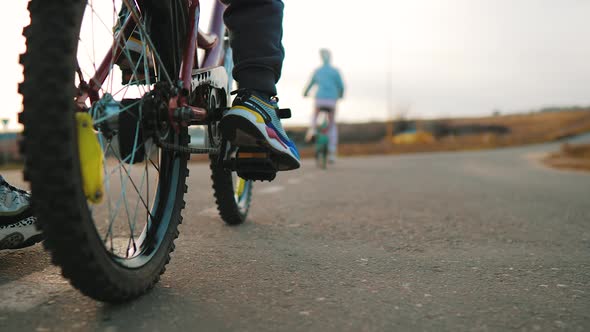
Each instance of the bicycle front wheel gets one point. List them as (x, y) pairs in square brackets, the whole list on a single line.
[(112, 241)]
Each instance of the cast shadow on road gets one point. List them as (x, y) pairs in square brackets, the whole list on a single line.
[(15, 264), (162, 309)]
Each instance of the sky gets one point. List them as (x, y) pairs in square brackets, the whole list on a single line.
[(443, 58)]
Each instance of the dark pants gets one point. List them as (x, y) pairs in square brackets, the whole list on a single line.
[(256, 30)]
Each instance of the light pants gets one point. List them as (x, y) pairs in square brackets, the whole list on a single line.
[(332, 127)]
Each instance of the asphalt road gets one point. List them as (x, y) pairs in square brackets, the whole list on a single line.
[(481, 241)]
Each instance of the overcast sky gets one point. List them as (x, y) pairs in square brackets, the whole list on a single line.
[(444, 57)]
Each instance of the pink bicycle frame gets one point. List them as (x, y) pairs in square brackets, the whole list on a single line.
[(213, 56)]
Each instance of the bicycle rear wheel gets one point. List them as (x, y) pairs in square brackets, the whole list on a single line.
[(114, 250), (233, 195), (324, 160)]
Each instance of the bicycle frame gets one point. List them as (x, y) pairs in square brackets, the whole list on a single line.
[(213, 56)]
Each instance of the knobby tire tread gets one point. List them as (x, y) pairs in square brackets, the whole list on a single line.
[(52, 167), (223, 191)]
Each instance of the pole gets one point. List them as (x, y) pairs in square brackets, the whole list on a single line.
[(389, 95)]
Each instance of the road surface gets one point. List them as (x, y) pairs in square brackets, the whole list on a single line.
[(482, 241)]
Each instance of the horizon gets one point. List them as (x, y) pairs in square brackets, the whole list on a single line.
[(458, 59)]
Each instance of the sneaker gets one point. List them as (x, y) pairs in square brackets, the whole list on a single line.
[(253, 121), (17, 223)]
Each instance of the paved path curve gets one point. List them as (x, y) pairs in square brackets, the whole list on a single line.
[(485, 240)]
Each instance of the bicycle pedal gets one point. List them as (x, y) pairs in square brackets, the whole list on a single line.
[(253, 164), (284, 113)]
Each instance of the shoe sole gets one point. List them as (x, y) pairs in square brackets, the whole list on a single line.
[(19, 237), (17, 240), (243, 129)]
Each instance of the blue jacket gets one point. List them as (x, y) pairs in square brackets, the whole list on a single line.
[(329, 82)]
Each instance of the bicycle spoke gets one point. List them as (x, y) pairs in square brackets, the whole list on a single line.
[(124, 161), (124, 197), (94, 13), (136, 189), (155, 166), (146, 69), (107, 179), (113, 23), (149, 156), (119, 218), (115, 212), (88, 54), (124, 186), (93, 45), (124, 109), (129, 175), (132, 227)]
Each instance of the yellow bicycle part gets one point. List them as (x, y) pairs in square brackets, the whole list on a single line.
[(240, 186), (91, 159)]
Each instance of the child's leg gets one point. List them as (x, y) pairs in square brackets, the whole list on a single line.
[(256, 31), (314, 118), (332, 133), (313, 124)]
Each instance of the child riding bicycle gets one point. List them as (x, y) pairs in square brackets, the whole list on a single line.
[(330, 89)]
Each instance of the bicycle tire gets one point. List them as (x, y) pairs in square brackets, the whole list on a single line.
[(53, 168), (233, 207), (325, 156), (232, 211)]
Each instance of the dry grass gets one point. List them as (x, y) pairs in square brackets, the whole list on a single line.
[(570, 156), (538, 127), (524, 129)]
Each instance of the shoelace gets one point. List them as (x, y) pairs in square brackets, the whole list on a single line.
[(243, 94), (8, 198), (13, 188)]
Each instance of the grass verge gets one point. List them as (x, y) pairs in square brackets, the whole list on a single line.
[(570, 156)]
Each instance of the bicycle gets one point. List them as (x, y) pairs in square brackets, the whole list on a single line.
[(320, 137), (321, 142), (107, 161)]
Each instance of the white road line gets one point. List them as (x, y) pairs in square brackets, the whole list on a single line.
[(294, 181), (31, 290), (271, 190)]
